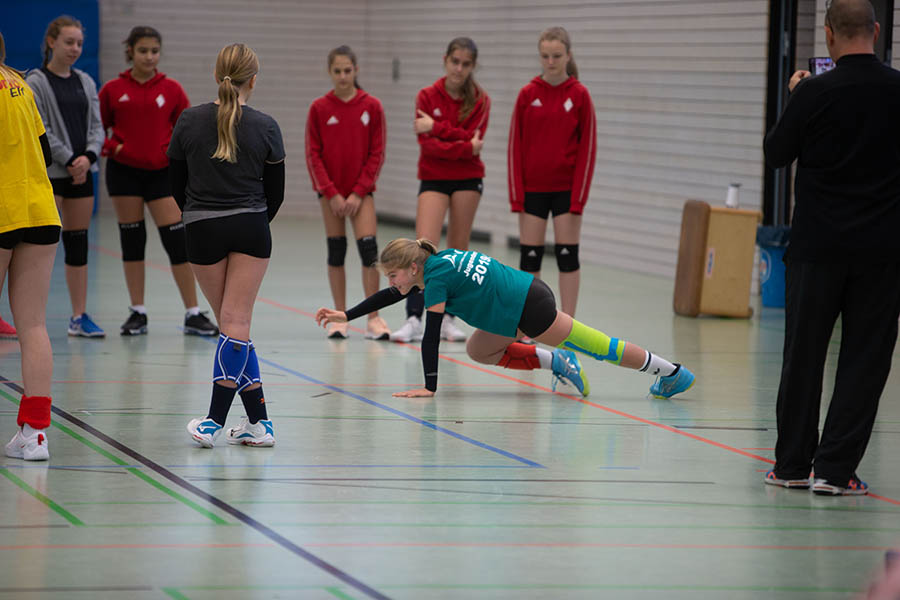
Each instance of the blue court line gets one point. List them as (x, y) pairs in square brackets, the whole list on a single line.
[(399, 413), (406, 416), (244, 466)]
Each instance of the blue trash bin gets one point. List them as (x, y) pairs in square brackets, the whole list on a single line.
[(772, 242)]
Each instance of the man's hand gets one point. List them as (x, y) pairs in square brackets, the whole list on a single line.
[(797, 77)]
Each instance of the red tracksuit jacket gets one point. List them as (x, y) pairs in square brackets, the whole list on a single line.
[(345, 144), (142, 116), (445, 151), (552, 142)]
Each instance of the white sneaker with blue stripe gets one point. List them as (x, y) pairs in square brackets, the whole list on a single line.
[(84, 326), (204, 431), (260, 434)]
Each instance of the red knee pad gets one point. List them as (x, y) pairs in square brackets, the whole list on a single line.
[(34, 411), (520, 356)]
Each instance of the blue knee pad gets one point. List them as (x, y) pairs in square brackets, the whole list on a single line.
[(231, 359), (251, 371)]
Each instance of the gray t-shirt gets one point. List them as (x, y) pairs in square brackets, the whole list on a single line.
[(218, 188)]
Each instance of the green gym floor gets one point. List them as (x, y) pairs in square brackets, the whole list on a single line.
[(495, 488)]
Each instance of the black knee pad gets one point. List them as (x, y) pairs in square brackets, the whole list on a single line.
[(337, 251), (173, 240), (530, 258), (567, 257), (368, 250), (133, 238), (75, 243)]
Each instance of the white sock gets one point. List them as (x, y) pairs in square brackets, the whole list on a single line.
[(194, 310), (139, 308), (545, 357), (28, 430), (657, 365)]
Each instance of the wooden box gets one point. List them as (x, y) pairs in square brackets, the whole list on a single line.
[(715, 260)]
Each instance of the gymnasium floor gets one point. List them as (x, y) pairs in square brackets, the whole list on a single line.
[(496, 488)]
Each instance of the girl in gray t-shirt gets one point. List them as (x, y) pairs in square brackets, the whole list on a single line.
[(227, 169)]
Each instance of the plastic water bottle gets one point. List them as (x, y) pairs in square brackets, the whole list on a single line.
[(731, 200)]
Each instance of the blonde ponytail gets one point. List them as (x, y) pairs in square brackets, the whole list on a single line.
[(235, 67), (402, 253)]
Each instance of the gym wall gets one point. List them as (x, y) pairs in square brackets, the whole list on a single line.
[(678, 85)]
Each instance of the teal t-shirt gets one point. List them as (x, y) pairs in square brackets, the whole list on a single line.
[(478, 289)]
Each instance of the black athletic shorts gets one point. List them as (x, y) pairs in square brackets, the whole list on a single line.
[(63, 186), (541, 204), (123, 180), (211, 240), (448, 186), (43, 236), (539, 311)]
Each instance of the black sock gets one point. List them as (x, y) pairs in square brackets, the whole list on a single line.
[(254, 404), (220, 403), (415, 305)]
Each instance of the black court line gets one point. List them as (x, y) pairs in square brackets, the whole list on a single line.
[(720, 428), (215, 501)]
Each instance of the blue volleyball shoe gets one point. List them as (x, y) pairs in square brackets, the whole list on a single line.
[(677, 382), (567, 368)]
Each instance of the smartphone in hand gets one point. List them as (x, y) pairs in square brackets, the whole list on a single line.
[(820, 64)]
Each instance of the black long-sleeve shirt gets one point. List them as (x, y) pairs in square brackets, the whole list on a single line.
[(844, 128)]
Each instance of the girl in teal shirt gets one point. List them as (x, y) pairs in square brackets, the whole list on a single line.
[(503, 304)]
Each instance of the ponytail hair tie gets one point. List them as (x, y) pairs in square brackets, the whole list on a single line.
[(226, 78)]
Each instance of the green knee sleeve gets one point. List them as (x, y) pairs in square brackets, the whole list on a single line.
[(597, 344)]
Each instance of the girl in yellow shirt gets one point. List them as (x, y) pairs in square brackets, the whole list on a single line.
[(29, 232)]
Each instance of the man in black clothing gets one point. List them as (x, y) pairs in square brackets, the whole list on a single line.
[(843, 127)]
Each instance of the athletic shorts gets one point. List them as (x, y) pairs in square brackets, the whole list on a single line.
[(123, 180), (63, 186), (539, 311), (42, 236), (448, 186), (211, 240), (541, 204)]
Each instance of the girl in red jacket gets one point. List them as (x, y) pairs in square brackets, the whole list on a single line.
[(345, 138), (451, 120), (140, 109), (552, 147)]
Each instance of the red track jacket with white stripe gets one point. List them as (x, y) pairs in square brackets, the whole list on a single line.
[(345, 144), (141, 116), (445, 151), (552, 142)]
